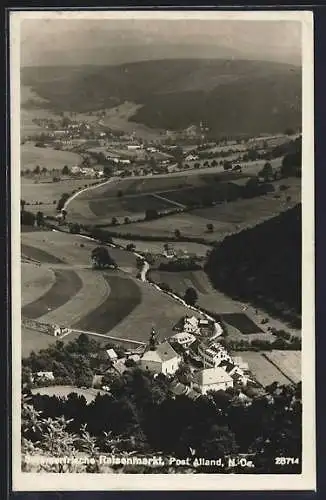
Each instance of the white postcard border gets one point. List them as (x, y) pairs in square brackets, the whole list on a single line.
[(104, 482)]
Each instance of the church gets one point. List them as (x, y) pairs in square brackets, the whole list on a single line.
[(159, 357)]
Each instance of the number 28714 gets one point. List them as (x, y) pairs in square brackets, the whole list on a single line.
[(287, 461)]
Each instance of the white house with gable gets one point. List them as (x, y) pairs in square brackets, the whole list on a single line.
[(212, 379)]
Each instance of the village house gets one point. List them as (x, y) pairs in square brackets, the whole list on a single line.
[(212, 355), (42, 376), (184, 339), (112, 355), (190, 325), (212, 379)]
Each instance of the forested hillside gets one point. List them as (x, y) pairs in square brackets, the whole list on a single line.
[(262, 265), (230, 96)]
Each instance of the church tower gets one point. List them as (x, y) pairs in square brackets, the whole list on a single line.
[(152, 344)]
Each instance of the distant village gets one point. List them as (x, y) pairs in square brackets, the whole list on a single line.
[(105, 151)]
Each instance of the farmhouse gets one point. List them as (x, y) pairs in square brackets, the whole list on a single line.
[(42, 376), (112, 355), (75, 169), (213, 355), (212, 379), (190, 325), (184, 339)]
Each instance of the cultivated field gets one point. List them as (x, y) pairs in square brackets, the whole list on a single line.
[(31, 156), (263, 371), (109, 302), (35, 282), (289, 362), (156, 310), (226, 218)]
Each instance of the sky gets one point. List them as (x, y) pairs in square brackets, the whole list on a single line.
[(111, 41)]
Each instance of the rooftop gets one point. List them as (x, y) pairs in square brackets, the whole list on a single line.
[(212, 376), (163, 352)]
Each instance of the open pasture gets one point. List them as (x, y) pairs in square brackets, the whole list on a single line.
[(289, 362), (32, 340), (73, 249), (263, 370), (128, 205), (44, 190), (31, 156), (63, 391), (178, 281)]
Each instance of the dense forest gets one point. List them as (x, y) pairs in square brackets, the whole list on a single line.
[(262, 265), (229, 96)]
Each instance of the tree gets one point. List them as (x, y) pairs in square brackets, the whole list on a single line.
[(151, 214), (177, 233), (131, 247), (74, 228), (191, 296), (183, 374), (291, 163), (65, 170), (114, 221), (227, 165), (44, 170), (218, 442), (178, 155), (127, 220), (266, 172), (40, 219), (210, 227), (37, 170), (101, 258), (27, 218), (251, 188), (107, 170)]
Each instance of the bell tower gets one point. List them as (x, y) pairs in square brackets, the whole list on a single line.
[(152, 340)]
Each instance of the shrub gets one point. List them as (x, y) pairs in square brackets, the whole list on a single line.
[(283, 187)]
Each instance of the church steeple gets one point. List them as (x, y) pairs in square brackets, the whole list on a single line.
[(152, 340)]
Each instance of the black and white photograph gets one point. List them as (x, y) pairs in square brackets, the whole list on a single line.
[(162, 187)]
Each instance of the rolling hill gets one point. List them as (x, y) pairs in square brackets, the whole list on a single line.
[(230, 96)]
